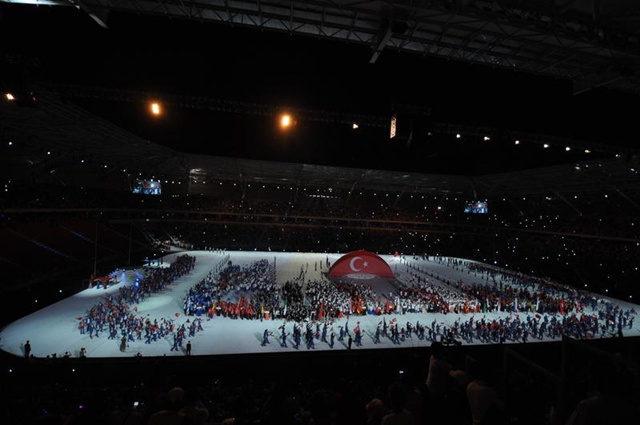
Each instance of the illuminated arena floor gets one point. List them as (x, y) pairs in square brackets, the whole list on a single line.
[(54, 329)]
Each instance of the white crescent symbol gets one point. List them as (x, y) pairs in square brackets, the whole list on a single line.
[(351, 264)]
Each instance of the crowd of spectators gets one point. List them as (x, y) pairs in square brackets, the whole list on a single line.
[(566, 238), (560, 240), (437, 384)]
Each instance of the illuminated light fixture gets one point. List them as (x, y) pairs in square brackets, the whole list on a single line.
[(517, 142), (567, 149), (9, 97), (458, 135), (355, 126), (286, 121), (587, 151), (155, 108), (486, 138), (546, 145)]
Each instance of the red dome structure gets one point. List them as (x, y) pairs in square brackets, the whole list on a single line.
[(361, 262)]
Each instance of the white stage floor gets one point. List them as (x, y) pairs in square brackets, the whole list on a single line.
[(54, 329)]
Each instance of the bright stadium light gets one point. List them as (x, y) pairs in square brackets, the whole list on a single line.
[(286, 121), (155, 108)]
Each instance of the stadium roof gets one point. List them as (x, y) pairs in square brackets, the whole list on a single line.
[(534, 75), (60, 137)]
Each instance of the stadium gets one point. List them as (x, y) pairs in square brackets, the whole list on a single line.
[(505, 232)]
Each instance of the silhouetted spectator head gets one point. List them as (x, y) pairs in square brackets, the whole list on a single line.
[(437, 348), (176, 397), (397, 396), (376, 410)]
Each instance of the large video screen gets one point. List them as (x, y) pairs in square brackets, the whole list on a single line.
[(476, 207), (147, 187)]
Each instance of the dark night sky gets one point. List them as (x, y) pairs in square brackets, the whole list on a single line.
[(159, 55)]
